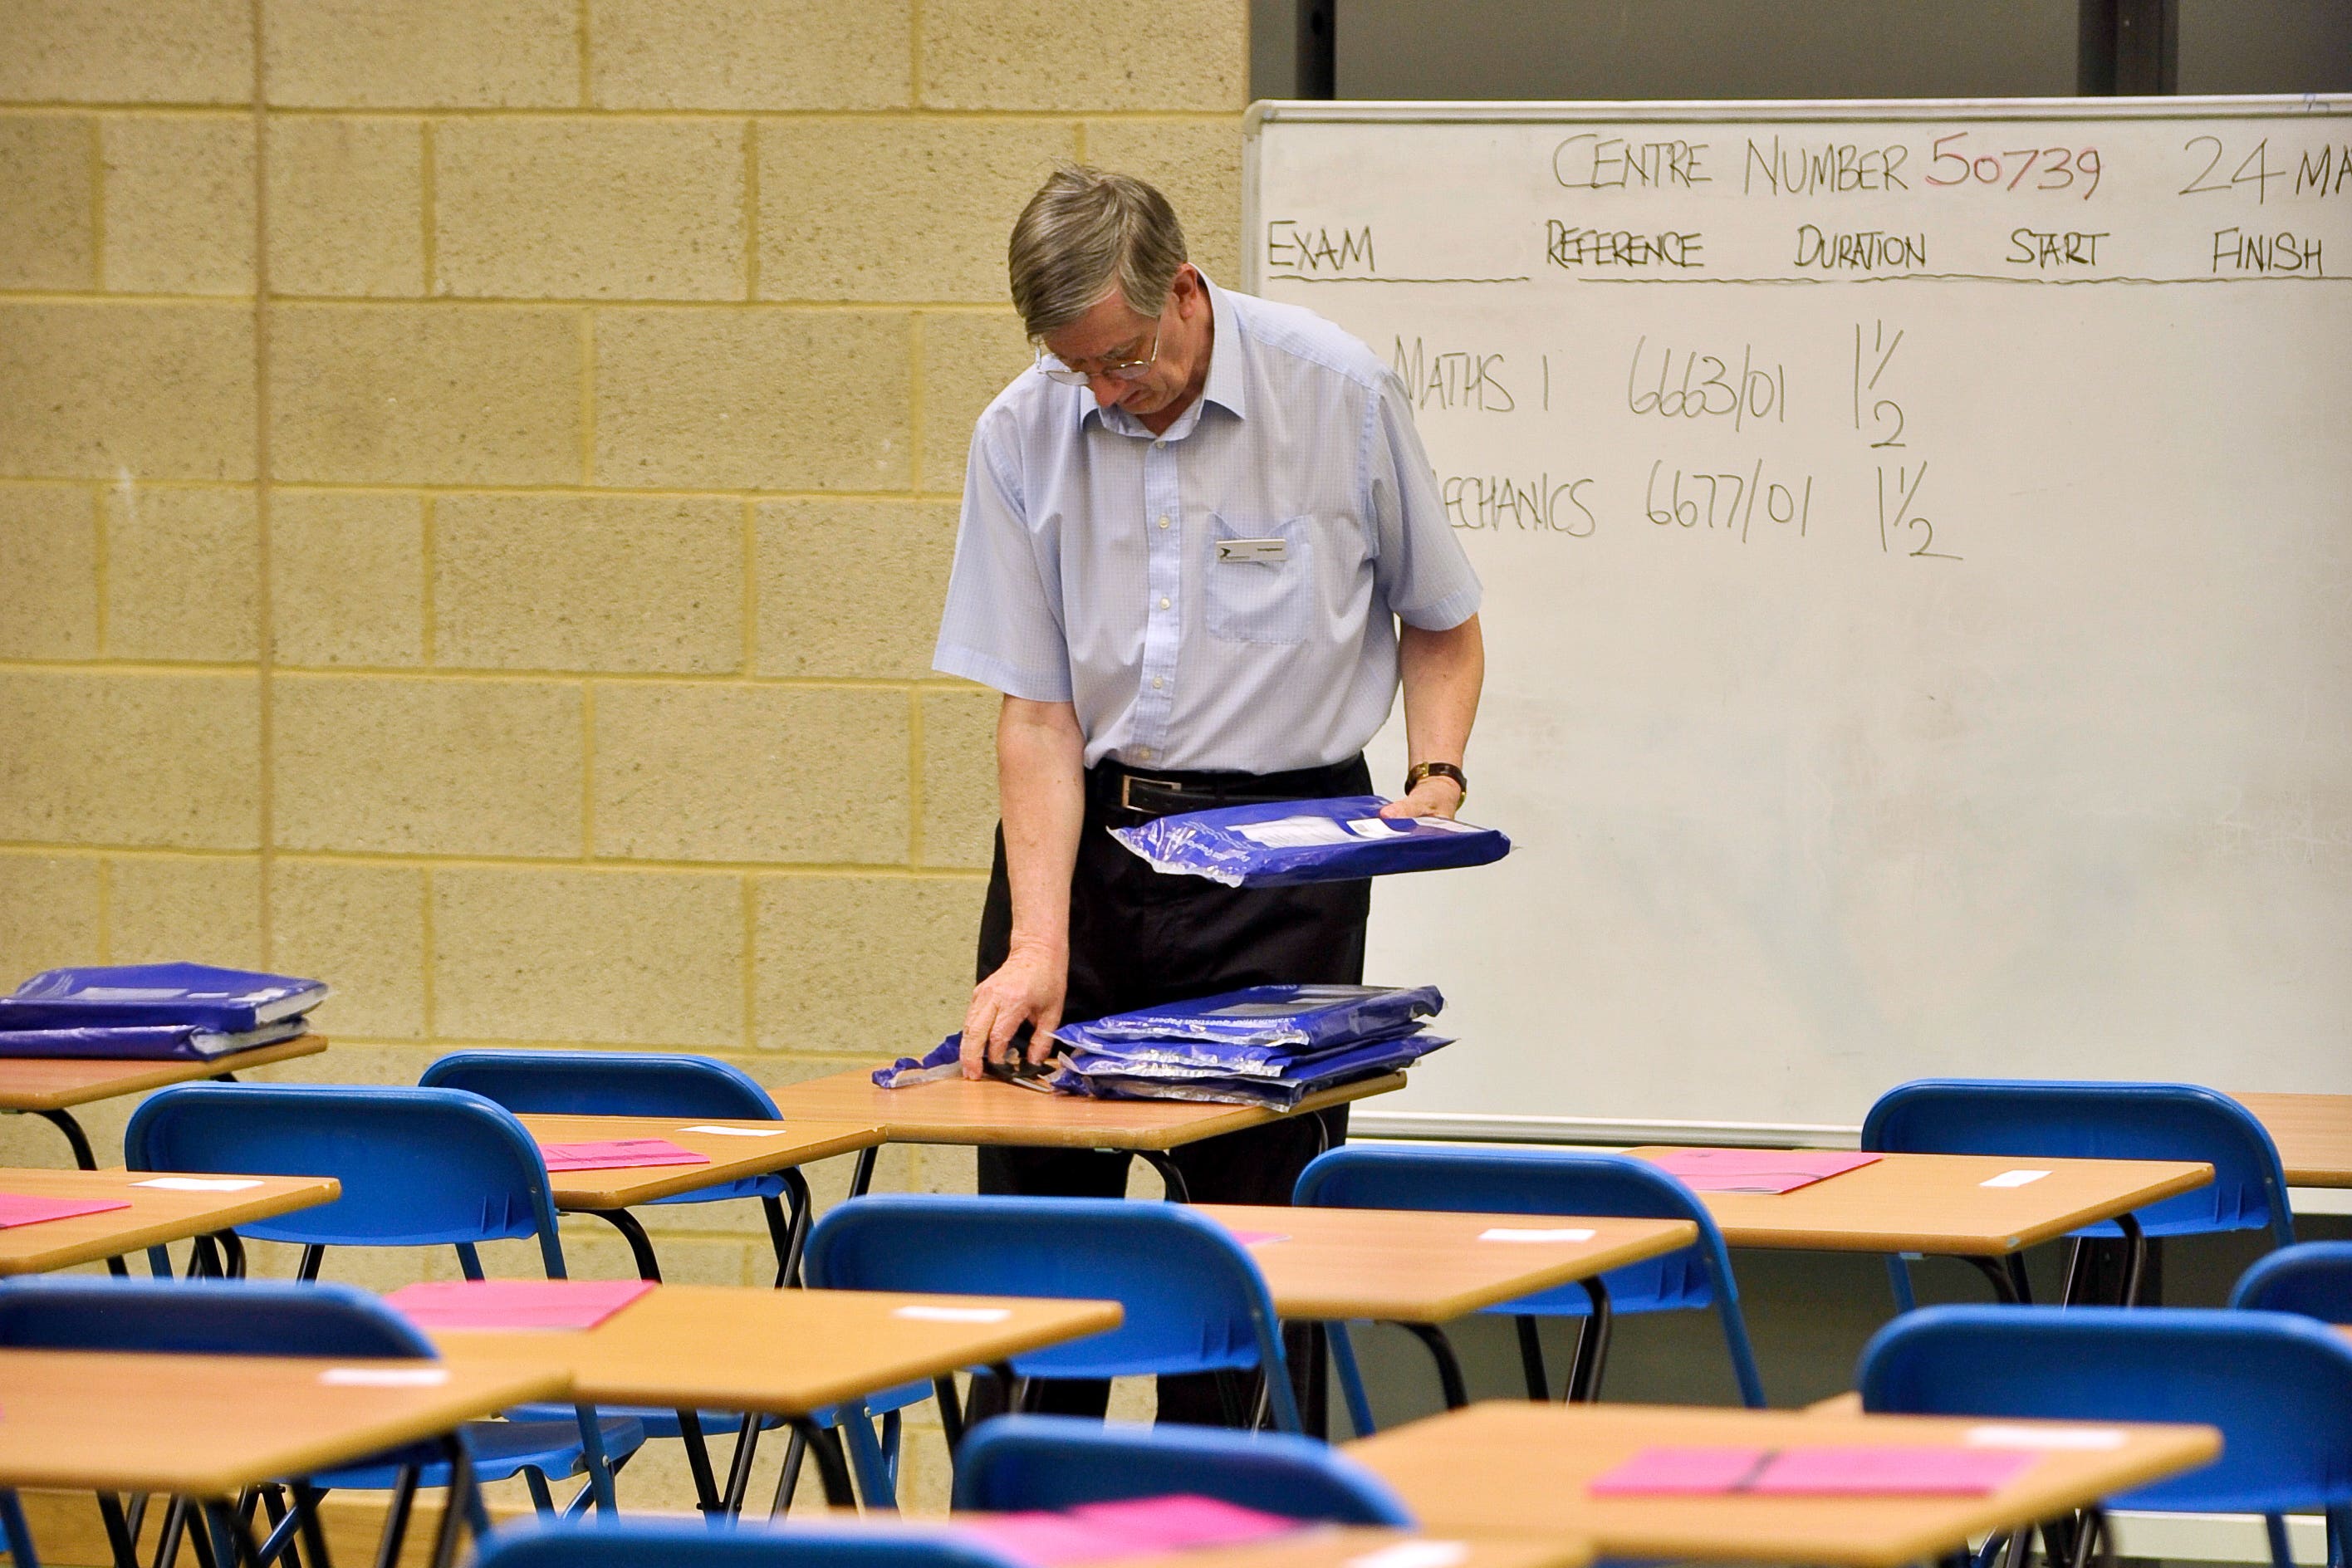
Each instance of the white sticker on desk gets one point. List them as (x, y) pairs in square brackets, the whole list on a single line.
[(1413, 1554), (2012, 1178), (384, 1376), (2045, 1437), (1505, 1232), (737, 1131), (201, 1184), (953, 1315)]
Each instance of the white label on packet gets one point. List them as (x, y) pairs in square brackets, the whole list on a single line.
[(1378, 827), (1507, 1232), (1296, 832), (737, 1131), (1413, 1554), (1253, 549), (384, 1376), (200, 1184), (2044, 1437), (2012, 1178), (922, 1314)]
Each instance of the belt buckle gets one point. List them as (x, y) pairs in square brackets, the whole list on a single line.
[(1127, 782)]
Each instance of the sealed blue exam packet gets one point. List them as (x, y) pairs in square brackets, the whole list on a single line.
[(1111, 1080), (144, 1042), (1281, 844), (223, 1001), (1266, 1016)]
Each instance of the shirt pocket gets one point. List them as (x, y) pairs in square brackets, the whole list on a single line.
[(1261, 579)]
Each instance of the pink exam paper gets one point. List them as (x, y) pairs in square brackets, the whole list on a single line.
[(1891, 1471), (514, 1304), (1253, 1237), (1680, 1473), (1757, 1170), (1043, 1539), (618, 1154), (1180, 1522), (23, 1208)]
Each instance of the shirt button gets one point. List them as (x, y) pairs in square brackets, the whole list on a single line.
[(1162, 442), (1163, 523), (1163, 604), (1155, 683), (1144, 753)]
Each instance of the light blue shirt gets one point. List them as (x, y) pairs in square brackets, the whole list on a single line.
[(1086, 568)]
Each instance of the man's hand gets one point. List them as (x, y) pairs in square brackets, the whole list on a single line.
[(1435, 796), (1028, 987)]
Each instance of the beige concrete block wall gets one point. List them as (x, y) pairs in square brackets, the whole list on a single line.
[(477, 478)]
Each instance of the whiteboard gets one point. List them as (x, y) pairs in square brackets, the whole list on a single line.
[(1918, 569)]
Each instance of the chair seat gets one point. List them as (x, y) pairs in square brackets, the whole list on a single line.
[(501, 1450), (717, 1192)]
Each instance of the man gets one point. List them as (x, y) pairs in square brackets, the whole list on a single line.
[(1187, 536)]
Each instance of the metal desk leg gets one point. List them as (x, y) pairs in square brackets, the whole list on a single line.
[(1449, 1369), (862, 1176), (1531, 1360), (2135, 1257), (1592, 1346), (739, 1470), (453, 1510), (121, 1539), (831, 1468), (698, 1462), (2007, 1274), (64, 1122), (1173, 1179), (641, 1246)]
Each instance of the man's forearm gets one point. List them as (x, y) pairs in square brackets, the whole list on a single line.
[(1041, 784), (1442, 673)]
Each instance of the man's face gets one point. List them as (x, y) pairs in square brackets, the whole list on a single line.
[(1111, 333)]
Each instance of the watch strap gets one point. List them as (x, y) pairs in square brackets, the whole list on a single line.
[(1420, 771)]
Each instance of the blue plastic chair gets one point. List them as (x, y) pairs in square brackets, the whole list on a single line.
[(1543, 1182), (1017, 1462), (1195, 1301), (2279, 1387), (2030, 1119), (640, 1083), (2314, 1279), (681, 1543), (419, 1167), (268, 1318)]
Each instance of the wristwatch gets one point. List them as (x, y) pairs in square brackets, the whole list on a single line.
[(1420, 771)]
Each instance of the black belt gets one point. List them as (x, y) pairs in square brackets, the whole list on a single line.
[(1114, 786)]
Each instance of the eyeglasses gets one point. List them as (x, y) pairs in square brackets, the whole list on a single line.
[(1054, 369)]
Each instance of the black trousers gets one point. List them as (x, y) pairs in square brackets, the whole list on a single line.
[(1139, 939)]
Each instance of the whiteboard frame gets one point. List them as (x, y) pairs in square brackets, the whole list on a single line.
[(1377, 1122)]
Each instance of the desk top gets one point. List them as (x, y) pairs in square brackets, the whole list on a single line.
[(1938, 1203), (155, 1215), (205, 1425), (778, 1145), (785, 1352), (988, 1110), (1428, 1266), (2314, 1134), (1522, 1467), (55, 1083)]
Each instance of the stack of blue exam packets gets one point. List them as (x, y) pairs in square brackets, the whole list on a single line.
[(1281, 844), (153, 1010), (1268, 1044)]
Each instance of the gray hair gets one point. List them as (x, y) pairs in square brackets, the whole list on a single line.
[(1084, 230)]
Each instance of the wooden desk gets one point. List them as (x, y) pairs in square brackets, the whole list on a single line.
[(988, 1110), (1938, 1203), (779, 1147), (1512, 1467), (207, 1427), (2314, 1134), (1423, 1265), (156, 1215), (783, 1353), (48, 1086)]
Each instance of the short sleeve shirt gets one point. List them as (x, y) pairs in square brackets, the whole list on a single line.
[(1222, 597)]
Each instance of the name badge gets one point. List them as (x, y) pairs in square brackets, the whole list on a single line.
[(1253, 549)]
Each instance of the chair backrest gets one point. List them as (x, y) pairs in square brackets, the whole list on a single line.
[(419, 1167), (2278, 1386), (202, 1317), (1017, 1462), (605, 1083), (1537, 1181), (603, 1542), (1195, 1301), (2031, 1119), (2314, 1279)]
